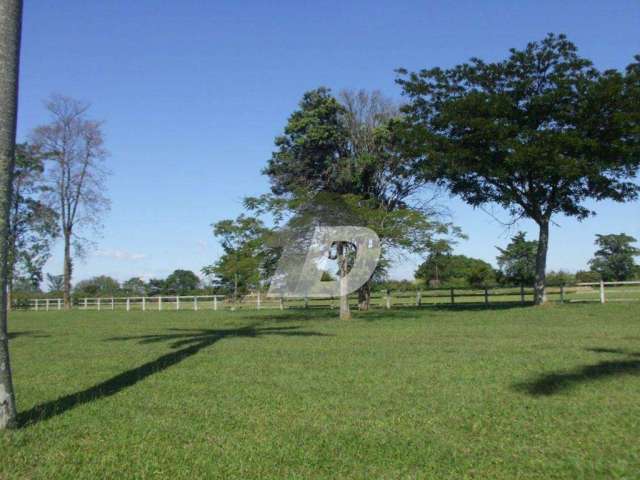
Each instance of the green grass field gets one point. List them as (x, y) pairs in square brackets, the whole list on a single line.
[(499, 393)]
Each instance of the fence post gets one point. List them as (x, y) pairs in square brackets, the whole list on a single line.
[(144, 303), (215, 302), (306, 302), (418, 298), (98, 303), (258, 301), (486, 296), (522, 294), (602, 297), (36, 304), (195, 303), (177, 302), (113, 306), (159, 302), (388, 299), (59, 304), (453, 297), (561, 293), (85, 303), (128, 304), (46, 303), (281, 303)]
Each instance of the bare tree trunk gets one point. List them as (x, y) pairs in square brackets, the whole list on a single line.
[(10, 25), (540, 296), (66, 287), (345, 313), (364, 296), (235, 291)]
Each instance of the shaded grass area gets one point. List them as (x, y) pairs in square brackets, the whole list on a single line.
[(464, 392)]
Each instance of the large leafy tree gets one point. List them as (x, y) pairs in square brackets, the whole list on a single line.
[(312, 157), (134, 286), (32, 223), (182, 282), (336, 164), (455, 271), (517, 261), (247, 259), (538, 133), (614, 259), (10, 27), (99, 286)]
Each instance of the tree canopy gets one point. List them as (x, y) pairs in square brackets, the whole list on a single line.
[(247, 258), (517, 262), (32, 223), (447, 270), (181, 282), (614, 260), (336, 164), (537, 133), (100, 286)]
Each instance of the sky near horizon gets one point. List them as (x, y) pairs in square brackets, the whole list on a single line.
[(193, 93)]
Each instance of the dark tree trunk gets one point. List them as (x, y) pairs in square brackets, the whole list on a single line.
[(540, 296), (345, 312), (364, 296), (10, 24), (66, 287)]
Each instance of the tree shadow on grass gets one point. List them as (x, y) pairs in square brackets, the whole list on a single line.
[(185, 342), (32, 333), (553, 383), (376, 313)]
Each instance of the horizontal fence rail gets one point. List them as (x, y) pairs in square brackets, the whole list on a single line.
[(584, 292)]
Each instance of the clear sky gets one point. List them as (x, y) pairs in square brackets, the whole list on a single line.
[(194, 92)]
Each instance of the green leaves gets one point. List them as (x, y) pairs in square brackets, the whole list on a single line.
[(537, 133), (614, 259), (248, 257), (517, 261)]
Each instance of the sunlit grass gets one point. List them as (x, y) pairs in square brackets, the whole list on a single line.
[(470, 392)]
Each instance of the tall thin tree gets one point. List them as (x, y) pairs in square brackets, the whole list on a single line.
[(75, 148), (10, 29)]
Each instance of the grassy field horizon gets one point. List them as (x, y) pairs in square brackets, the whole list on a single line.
[(469, 392)]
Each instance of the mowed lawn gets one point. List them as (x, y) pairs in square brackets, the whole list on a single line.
[(497, 393)]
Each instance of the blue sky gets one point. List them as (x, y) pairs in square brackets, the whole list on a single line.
[(193, 93)]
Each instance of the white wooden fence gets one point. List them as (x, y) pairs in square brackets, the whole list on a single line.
[(616, 294), (583, 292)]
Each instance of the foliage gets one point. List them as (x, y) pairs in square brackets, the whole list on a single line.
[(247, 259), (312, 149), (447, 270), (134, 286), (336, 164), (560, 278), (394, 286), (155, 286), (99, 286), (24, 285), (517, 262), (181, 282), (32, 224), (538, 133), (587, 276), (55, 283), (615, 258)]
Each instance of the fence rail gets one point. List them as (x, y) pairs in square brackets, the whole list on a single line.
[(584, 292)]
